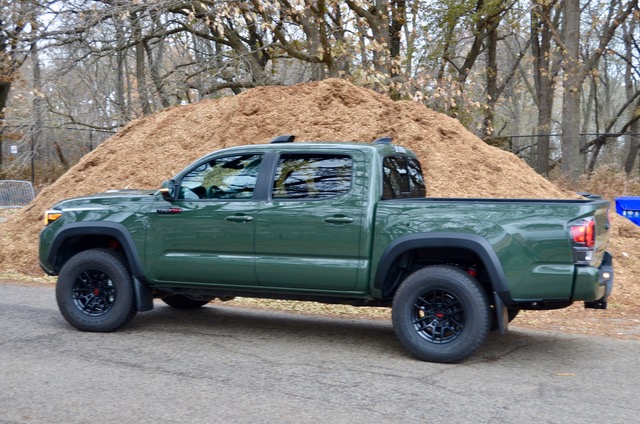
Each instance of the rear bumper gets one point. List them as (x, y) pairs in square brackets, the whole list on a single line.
[(605, 283)]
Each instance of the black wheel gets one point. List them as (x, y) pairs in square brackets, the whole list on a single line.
[(94, 291), (180, 301), (441, 314)]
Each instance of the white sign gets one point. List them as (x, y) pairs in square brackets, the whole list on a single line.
[(14, 150)]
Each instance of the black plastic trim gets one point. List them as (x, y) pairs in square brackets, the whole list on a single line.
[(265, 176), (144, 296), (476, 244), (285, 138), (111, 229)]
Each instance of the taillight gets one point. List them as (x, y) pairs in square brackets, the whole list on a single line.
[(584, 232), (583, 237)]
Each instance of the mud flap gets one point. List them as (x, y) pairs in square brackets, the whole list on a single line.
[(502, 314), (144, 298)]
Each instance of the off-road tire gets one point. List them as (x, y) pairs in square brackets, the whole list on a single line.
[(95, 291), (441, 314)]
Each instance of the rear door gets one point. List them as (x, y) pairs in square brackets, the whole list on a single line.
[(308, 231)]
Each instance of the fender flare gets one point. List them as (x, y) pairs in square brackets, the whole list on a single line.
[(472, 242), (144, 297)]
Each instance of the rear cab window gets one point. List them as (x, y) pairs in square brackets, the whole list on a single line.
[(402, 178)]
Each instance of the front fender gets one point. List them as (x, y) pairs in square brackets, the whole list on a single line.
[(92, 229)]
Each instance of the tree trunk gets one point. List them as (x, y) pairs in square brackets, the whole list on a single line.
[(634, 148), (315, 29), (41, 148), (543, 78), (633, 140), (492, 81), (398, 19), (141, 75), (120, 75), (572, 165), (386, 20), (155, 62), (5, 87)]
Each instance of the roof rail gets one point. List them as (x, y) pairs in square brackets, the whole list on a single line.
[(285, 138), (383, 140)]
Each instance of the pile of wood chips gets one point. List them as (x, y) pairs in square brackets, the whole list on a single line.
[(456, 163)]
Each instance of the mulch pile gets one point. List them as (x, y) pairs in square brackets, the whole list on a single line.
[(456, 163)]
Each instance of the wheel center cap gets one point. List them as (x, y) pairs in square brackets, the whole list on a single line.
[(439, 315), (96, 291)]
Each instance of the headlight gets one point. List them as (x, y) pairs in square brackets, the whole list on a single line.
[(51, 215)]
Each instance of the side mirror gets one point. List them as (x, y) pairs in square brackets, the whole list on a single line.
[(167, 190)]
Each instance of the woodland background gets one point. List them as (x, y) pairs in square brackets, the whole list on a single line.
[(555, 81)]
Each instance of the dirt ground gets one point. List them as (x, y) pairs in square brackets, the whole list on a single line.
[(456, 164)]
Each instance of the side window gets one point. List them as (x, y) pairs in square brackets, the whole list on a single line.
[(231, 177), (402, 178), (312, 176)]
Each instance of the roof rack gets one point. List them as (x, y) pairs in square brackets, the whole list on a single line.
[(383, 140), (285, 138)]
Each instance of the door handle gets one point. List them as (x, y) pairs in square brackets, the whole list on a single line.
[(338, 219), (239, 218)]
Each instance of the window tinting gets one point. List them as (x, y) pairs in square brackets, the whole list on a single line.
[(231, 177), (402, 178), (312, 176)]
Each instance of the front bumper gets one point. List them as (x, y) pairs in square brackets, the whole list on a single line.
[(605, 280)]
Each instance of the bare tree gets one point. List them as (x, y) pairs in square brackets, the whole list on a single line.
[(15, 17), (545, 72), (631, 88), (576, 70)]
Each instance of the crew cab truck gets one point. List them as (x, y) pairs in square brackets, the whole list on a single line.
[(341, 223)]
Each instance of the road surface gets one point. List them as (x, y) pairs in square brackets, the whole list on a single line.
[(233, 365)]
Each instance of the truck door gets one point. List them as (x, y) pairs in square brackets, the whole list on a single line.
[(207, 235), (308, 231)]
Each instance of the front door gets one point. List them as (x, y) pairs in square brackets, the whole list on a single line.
[(207, 235)]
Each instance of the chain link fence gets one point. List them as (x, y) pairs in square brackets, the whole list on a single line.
[(15, 194), (42, 156)]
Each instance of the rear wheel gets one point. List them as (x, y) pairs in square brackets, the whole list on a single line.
[(180, 301), (95, 292), (441, 314)]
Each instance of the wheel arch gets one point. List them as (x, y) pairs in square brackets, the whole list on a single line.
[(399, 254), (76, 237)]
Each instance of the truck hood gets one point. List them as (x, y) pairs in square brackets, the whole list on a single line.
[(108, 197), (129, 193)]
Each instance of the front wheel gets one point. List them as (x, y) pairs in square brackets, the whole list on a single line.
[(95, 292), (441, 314)]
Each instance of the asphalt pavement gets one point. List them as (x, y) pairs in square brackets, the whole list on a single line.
[(223, 364)]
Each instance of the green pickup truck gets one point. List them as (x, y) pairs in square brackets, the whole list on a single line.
[(340, 223)]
